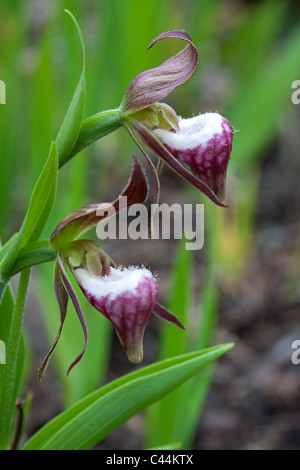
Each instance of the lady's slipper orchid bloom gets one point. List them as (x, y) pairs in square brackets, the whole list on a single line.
[(204, 143), (127, 297)]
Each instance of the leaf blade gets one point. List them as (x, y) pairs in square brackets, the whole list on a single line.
[(41, 201), (90, 420)]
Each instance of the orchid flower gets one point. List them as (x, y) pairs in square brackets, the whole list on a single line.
[(203, 142), (126, 296)]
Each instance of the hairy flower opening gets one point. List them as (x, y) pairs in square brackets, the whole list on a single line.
[(127, 298), (204, 143)]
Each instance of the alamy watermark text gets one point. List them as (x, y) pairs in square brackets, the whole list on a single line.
[(169, 221)]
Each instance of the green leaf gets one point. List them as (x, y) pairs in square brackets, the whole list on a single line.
[(6, 312), (7, 256), (41, 201), (96, 127), (162, 415), (40, 206), (43, 102), (70, 127), (89, 421), (179, 303), (5, 248), (189, 413), (12, 371), (173, 446), (7, 261), (174, 418)]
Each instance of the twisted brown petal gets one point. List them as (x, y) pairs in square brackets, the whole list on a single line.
[(62, 299), (76, 304), (81, 220), (154, 84)]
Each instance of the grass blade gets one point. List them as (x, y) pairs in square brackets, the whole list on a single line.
[(89, 421)]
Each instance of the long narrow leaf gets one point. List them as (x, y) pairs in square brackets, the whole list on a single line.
[(89, 421), (41, 201)]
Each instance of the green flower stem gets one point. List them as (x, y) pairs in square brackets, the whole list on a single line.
[(94, 128), (33, 254), (8, 387)]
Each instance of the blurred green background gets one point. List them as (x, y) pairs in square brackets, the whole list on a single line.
[(248, 270)]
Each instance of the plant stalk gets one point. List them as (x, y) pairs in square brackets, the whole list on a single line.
[(94, 128), (9, 389)]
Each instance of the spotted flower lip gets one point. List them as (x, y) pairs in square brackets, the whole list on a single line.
[(204, 143), (127, 297)]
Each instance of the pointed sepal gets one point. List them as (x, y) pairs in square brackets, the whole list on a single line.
[(152, 85), (163, 313)]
